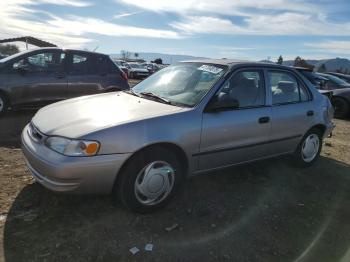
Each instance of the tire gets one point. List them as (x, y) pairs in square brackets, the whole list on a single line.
[(341, 107), (131, 75), (3, 104), (137, 178), (309, 149)]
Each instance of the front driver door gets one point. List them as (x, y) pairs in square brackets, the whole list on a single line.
[(38, 78), (237, 135)]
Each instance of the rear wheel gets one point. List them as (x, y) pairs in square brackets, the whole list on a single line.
[(149, 180), (3, 104), (309, 148), (341, 107)]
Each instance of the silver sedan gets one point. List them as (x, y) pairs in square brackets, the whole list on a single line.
[(186, 119)]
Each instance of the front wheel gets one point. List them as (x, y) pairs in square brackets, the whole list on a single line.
[(309, 148), (149, 180)]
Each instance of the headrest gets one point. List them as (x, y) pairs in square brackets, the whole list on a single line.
[(286, 86), (242, 81), (249, 83)]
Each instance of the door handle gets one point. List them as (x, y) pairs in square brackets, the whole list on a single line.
[(60, 75), (310, 113), (263, 120)]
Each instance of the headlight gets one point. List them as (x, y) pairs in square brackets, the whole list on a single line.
[(71, 147)]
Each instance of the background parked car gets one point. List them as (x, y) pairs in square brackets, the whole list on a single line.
[(319, 81), (151, 67), (122, 66), (340, 97), (341, 76), (45, 75), (334, 82), (137, 70)]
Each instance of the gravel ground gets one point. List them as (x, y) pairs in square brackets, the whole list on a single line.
[(266, 211)]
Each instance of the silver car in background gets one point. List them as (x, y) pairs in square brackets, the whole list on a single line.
[(187, 119)]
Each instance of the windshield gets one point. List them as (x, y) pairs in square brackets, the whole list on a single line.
[(335, 79), (4, 60), (183, 83)]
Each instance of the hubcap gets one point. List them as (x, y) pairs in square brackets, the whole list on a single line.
[(1, 104), (310, 148), (154, 183)]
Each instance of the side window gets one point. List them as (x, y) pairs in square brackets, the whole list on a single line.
[(83, 64), (285, 88), (42, 62), (105, 65), (246, 88)]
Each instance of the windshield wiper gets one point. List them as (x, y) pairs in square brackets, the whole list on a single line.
[(153, 95), (131, 92)]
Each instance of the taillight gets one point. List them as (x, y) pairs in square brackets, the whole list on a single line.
[(124, 75)]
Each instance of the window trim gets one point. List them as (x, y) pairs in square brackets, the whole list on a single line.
[(37, 52), (300, 83), (232, 74)]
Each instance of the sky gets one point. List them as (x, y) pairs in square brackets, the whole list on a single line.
[(240, 29)]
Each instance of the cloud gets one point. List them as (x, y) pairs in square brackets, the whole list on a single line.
[(268, 17), (280, 24), (222, 7), (75, 25), (330, 46), (75, 3), (20, 17), (125, 15)]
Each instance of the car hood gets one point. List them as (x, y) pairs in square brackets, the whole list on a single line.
[(77, 117), (345, 92)]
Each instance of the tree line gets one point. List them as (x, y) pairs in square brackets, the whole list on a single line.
[(300, 62)]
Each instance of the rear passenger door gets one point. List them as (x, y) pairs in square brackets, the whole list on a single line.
[(291, 110), (84, 77)]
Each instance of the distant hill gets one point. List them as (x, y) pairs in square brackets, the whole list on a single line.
[(331, 64), (166, 58)]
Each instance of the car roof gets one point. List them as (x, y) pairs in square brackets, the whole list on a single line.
[(232, 62), (337, 74), (303, 68), (63, 49)]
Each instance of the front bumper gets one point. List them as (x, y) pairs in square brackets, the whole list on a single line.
[(61, 173)]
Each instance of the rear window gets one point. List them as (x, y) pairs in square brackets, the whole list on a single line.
[(83, 64), (106, 65)]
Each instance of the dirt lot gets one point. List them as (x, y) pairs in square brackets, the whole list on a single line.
[(267, 211)]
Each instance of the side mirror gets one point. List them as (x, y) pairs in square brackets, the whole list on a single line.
[(222, 102), (21, 68)]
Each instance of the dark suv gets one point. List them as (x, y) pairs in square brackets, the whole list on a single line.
[(45, 75)]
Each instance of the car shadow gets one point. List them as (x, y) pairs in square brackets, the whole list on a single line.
[(266, 211), (11, 126)]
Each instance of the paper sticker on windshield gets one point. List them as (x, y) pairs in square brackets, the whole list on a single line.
[(210, 69)]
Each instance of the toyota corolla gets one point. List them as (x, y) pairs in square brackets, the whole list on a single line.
[(189, 118)]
